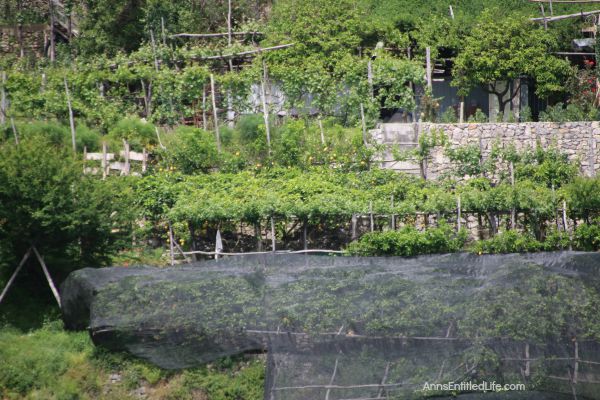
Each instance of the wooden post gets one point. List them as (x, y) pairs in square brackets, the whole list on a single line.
[(156, 66), (513, 211), (144, 160), (332, 379), (566, 224), (14, 275), (171, 249), (71, 118), (229, 23), (127, 155), (458, 213), (371, 219), (364, 123), (48, 277), (429, 70), (462, 110), (215, 116), (273, 238), (393, 216), (370, 77), (3, 102), (305, 234), (146, 102), (162, 27), (451, 12), (104, 161), (354, 223), (158, 136), (84, 157), (14, 129), (204, 122), (544, 16), (551, 9), (576, 365), (264, 105), (52, 41), (321, 129), (258, 234)]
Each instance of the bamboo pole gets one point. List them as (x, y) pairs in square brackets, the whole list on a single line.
[(371, 219), (104, 161), (545, 20), (71, 118), (162, 27), (513, 211), (156, 66), (215, 116), (393, 216), (214, 35), (52, 41), (14, 275), (458, 213), (264, 104), (127, 155)]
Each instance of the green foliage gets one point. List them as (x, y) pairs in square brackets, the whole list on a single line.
[(52, 363), (503, 48), (190, 151), (409, 241), (478, 118), (507, 242), (449, 116), (587, 236), (137, 132), (584, 197), (47, 202), (571, 112)]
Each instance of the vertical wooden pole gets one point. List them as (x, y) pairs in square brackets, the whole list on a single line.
[(576, 365), (204, 122), (71, 118), (273, 238), (156, 66), (258, 234), (14, 275), (229, 23), (527, 362), (48, 277), (265, 107), (171, 249), (513, 211), (370, 77), (84, 157), (104, 161), (305, 234), (429, 69), (354, 223), (551, 9), (52, 41), (164, 33), (3, 102), (146, 108), (458, 213), (393, 216), (363, 123), (321, 129), (215, 116), (544, 16), (144, 160), (462, 110), (127, 155), (451, 12), (371, 216), (14, 129), (160, 143)]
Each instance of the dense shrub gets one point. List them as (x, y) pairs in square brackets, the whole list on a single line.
[(190, 150), (409, 241), (137, 132), (586, 237), (508, 242)]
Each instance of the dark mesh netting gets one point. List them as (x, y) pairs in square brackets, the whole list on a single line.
[(361, 328)]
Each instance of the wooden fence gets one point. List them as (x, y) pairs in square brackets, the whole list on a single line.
[(121, 162)]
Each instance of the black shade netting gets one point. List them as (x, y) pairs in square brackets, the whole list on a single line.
[(361, 328)]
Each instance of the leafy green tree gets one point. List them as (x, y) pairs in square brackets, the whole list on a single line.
[(46, 201), (504, 48)]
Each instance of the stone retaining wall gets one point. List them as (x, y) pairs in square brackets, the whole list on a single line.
[(577, 139)]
